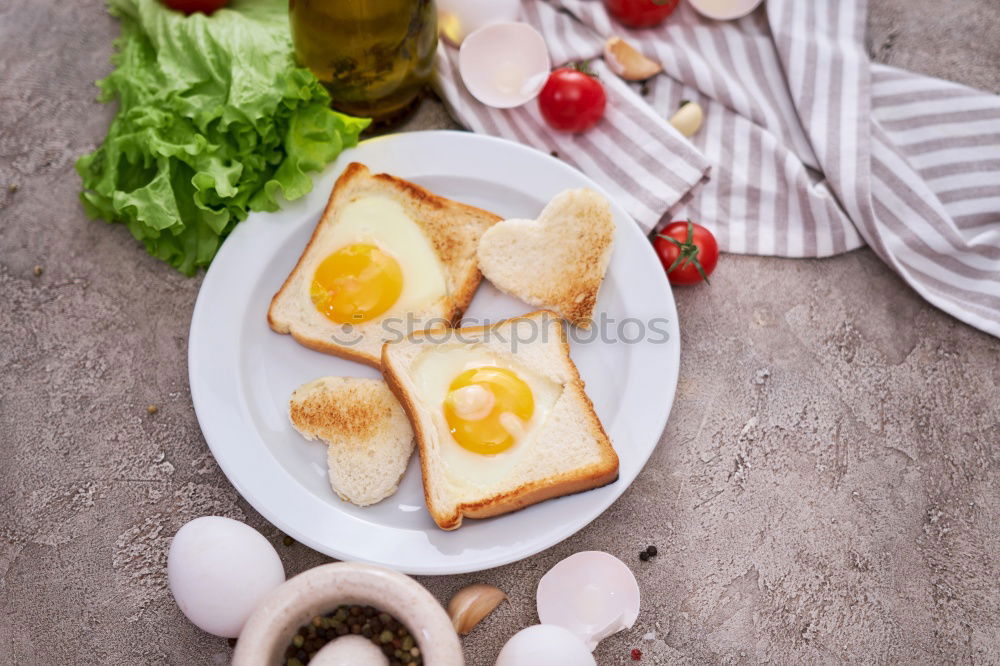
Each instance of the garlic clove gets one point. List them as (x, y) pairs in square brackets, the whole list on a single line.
[(688, 119), (627, 62), (471, 604)]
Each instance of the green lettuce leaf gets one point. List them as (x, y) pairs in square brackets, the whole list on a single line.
[(214, 120)]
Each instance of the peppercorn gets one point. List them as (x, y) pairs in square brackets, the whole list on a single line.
[(390, 636), (636, 654), (644, 555), (651, 550)]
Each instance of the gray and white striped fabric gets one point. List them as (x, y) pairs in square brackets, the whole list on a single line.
[(808, 149)]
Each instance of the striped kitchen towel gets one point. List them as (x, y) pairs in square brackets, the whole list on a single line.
[(808, 149)]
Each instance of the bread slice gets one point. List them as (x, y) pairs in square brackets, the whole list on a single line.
[(557, 261), (369, 440), (453, 230), (566, 451)]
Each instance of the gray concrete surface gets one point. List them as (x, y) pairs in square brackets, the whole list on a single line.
[(825, 491)]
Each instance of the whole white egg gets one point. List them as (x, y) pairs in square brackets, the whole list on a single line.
[(218, 570), (545, 645), (350, 650)]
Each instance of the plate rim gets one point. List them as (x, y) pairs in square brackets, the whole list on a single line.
[(559, 533)]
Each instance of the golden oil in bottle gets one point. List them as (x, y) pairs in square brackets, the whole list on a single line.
[(374, 56)]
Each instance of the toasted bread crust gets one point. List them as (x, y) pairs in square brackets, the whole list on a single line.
[(578, 480), (451, 241)]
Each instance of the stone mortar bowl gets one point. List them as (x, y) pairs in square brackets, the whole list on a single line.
[(318, 591)]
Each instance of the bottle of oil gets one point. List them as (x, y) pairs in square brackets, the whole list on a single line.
[(374, 56)]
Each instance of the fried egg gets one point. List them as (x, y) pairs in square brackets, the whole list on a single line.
[(381, 263), (487, 407)]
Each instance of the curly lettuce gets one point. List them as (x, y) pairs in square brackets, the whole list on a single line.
[(214, 120)]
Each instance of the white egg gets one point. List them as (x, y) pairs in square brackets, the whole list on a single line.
[(545, 645), (219, 570), (458, 18), (350, 650), (434, 372), (593, 594), (383, 222), (504, 64)]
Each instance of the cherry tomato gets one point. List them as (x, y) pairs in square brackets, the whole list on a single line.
[(192, 6), (572, 100), (641, 13), (688, 252)]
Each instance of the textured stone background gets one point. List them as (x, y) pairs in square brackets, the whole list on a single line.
[(825, 491)]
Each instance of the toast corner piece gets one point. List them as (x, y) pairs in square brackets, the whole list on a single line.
[(447, 511)]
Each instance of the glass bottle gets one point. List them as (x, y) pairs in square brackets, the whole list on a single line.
[(374, 56)]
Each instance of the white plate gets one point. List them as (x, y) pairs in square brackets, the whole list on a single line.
[(242, 373)]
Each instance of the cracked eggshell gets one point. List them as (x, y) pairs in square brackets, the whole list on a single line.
[(505, 64), (724, 10), (592, 594), (218, 570)]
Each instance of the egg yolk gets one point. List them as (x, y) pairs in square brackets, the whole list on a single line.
[(496, 431), (356, 283)]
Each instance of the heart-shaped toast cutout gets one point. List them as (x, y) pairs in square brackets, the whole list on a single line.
[(369, 439), (557, 261)]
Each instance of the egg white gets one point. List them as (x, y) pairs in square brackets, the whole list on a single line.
[(434, 372), (383, 222)]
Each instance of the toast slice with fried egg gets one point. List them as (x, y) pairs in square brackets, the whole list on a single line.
[(499, 424), (368, 437), (387, 257), (557, 261)]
